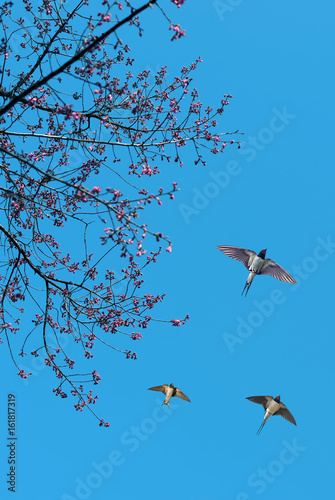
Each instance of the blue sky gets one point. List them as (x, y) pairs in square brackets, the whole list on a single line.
[(275, 193)]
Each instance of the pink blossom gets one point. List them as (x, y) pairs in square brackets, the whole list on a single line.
[(179, 3)]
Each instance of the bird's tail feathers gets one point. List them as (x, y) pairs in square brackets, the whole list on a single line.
[(246, 286), (261, 427)]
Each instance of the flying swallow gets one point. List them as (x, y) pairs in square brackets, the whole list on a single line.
[(256, 264), (272, 406), (170, 391)]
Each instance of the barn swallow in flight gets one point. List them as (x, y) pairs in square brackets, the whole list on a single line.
[(272, 406), (256, 264), (170, 391)]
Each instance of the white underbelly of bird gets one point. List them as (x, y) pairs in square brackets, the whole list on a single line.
[(256, 265)]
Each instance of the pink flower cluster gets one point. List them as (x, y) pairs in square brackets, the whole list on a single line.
[(178, 322), (179, 3), (23, 374)]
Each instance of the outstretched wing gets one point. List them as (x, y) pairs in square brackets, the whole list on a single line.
[(273, 269), (181, 395), (261, 400), (161, 388), (242, 254), (284, 412)]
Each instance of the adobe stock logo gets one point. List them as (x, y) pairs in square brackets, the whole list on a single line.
[(251, 146), (201, 199), (265, 476), (224, 8), (265, 308), (255, 143), (130, 441)]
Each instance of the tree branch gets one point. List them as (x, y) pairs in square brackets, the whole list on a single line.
[(75, 58)]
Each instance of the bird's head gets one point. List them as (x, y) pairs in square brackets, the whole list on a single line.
[(277, 399), (262, 254), (171, 385)]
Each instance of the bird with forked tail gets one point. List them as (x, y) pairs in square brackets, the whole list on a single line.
[(272, 406), (256, 264)]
